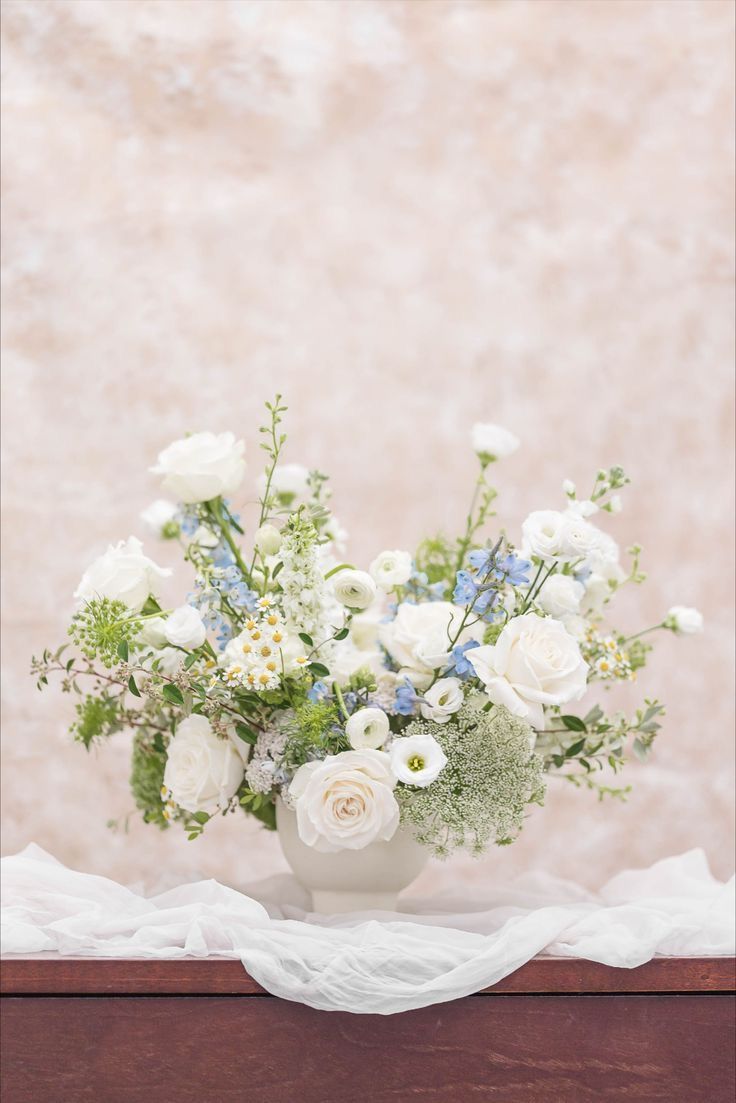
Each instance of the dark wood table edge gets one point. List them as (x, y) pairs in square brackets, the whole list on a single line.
[(43, 975)]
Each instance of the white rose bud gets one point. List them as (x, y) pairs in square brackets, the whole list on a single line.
[(367, 728), (391, 569), (153, 632), (355, 589), (184, 628), (202, 771), (159, 518), (124, 574), (615, 505), (492, 442), (267, 540), (568, 487), (202, 466), (417, 760), (443, 699), (684, 619)]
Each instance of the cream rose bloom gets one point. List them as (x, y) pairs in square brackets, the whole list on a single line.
[(345, 801), (418, 638), (184, 628), (202, 770), (124, 574), (543, 534), (391, 569), (202, 466), (534, 662), (355, 589), (493, 441)]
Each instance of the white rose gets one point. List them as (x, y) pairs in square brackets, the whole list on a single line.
[(561, 595), (575, 625), (391, 569), (581, 507), (684, 619), (443, 699), (289, 481), (267, 540), (364, 628), (347, 659), (355, 589), (184, 628), (202, 771), (585, 541), (367, 728), (159, 514), (534, 662), (543, 534), (345, 801), (124, 574), (153, 632), (417, 760), (493, 442), (202, 466), (418, 638)]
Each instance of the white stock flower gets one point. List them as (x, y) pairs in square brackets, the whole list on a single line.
[(534, 662), (345, 801), (417, 760), (561, 595), (184, 628), (354, 589), (124, 574), (267, 540), (159, 514), (289, 481), (684, 619), (202, 770), (493, 441), (367, 728), (418, 638), (202, 466), (443, 699), (391, 569)]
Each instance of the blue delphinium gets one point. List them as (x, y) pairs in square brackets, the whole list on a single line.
[(242, 597), (406, 699), (514, 570), (462, 666), (318, 692)]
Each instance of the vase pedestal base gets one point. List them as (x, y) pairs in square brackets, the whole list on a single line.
[(328, 902)]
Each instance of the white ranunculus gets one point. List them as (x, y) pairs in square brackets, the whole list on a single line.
[(418, 638), (159, 514), (202, 466), (534, 662), (202, 770), (561, 595), (684, 619), (367, 728), (391, 569), (493, 441), (417, 760), (345, 801), (124, 574), (289, 481), (355, 589), (153, 632), (267, 540), (184, 628), (543, 534), (443, 699)]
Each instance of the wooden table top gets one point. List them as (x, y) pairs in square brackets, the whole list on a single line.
[(49, 974)]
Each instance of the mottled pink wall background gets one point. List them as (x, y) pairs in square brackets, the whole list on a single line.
[(405, 215)]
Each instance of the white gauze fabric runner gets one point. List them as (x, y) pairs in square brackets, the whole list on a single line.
[(379, 962)]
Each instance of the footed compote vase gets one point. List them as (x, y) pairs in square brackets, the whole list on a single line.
[(351, 880)]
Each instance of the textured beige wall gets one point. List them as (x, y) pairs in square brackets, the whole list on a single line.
[(404, 215)]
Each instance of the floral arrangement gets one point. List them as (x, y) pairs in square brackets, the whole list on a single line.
[(433, 690)]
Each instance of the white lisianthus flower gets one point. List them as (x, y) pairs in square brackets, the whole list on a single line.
[(418, 638), (543, 534), (684, 619), (158, 515), (493, 442), (290, 481), (202, 466), (443, 699), (534, 662), (267, 540), (581, 507), (202, 770), (561, 596), (354, 589), (367, 728), (153, 632), (391, 569), (417, 760), (345, 801), (124, 574), (184, 628)]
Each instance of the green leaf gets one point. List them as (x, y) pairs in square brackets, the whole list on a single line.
[(158, 743), (574, 723), (133, 687), (319, 669), (576, 748), (190, 660), (306, 639), (342, 634), (123, 650), (247, 734), (201, 817), (172, 694), (277, 569)]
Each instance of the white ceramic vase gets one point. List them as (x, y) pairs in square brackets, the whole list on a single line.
[(351, 880)]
